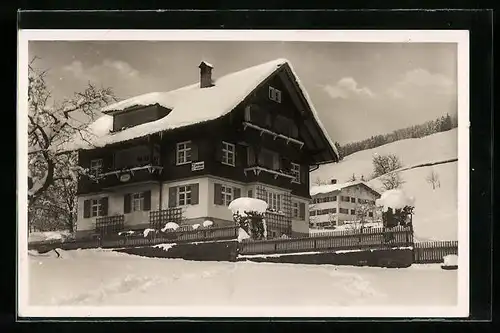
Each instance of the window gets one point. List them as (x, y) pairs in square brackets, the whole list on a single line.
[(274, 94), (184, 152), (296, 172), (353, 212), (96, 167), (274, 201), (345, 198), (250, 193), (96, 208), (227, 195), (370, 214), (344, 211), (228, 153), (295, 209), (138, 201), (312, 213), (184, 195), (353, 200)]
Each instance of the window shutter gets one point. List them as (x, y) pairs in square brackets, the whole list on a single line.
[(127, 202), (104, 206), (302, 210), (195, 194), (86, 209), (251, 156), (218, 194), (237, 193), (218, 151), (147, 200), (172, 197), (194, 151), (238, 155), (172, 155)]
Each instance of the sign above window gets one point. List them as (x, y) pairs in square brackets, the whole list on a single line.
[(196, 166)]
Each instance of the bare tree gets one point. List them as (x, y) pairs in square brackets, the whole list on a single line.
[(353, 178), (392, 180), (433, 179), (50, 126), (383, 164)]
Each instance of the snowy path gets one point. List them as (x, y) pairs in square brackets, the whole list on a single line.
[(94, 277)]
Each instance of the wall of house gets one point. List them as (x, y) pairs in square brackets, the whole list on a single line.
[(191, 213), (137, 219)]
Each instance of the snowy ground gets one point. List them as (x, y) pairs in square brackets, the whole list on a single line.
[(99, 277)]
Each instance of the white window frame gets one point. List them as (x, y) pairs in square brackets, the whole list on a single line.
[(296, 172), (228, 153), (274, 94), (274, 201), (184, 195), (96, 166), (295, 210), (227, 194), (137, 203), (95, 207), (185, 149)]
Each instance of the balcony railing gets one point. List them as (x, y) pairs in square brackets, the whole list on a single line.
[(275, 135), (276, 173)]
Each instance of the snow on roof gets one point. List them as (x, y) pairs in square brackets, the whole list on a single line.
[(189, 105), (395, 199), (322, 189), (207, 64)]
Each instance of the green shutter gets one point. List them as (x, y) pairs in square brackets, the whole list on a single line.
[(195, 194), (127, 202), (147, 200), (172, 197), (217, 194), (86, 209)]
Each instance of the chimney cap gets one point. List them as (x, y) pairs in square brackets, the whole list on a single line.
[(205, 64)]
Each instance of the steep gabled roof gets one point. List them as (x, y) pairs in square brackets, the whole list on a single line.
[(189, 105), (329, 188)]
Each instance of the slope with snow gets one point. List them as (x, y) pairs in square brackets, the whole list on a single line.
[(436, 211), (433, 148), (105, 278)]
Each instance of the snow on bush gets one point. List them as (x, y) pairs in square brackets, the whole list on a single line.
[(242, 235), (48, 235), (170, 226), (130, 232), (450, 260), (208, 223), (244, 204), (147, 231), (165, 247), (195, 226), (395, 199)]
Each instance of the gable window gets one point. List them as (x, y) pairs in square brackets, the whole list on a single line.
[(138, 201), (228, 150), (183, 152), (296, 172), (274, 94), (184, 195), (96, 167)]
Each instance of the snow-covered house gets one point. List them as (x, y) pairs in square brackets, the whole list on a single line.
[(335, 204), (250, 133)]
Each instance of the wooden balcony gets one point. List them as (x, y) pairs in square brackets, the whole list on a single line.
[(274, 135)]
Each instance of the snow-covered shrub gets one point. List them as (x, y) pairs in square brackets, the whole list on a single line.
[(195, 226), (249, 214), (149, 232), (170, 226), (397, 208), (208, 223), (242, 235)]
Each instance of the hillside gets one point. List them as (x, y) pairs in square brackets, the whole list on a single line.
[(435, 210), (433, 148)]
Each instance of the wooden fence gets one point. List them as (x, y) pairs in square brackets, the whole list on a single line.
[(153, 238), (339, 240), (433, 252)]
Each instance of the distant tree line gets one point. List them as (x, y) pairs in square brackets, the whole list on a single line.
[(441, 124)]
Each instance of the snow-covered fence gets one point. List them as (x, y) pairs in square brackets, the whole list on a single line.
[(433, 252), (340, 240)]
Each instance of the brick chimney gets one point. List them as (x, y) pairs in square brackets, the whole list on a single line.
[(333, 181), (205, 75)]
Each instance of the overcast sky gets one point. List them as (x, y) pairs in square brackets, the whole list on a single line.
[(359, 89)]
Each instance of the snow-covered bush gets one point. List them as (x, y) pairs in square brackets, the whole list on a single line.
[(147, 232), (195, 226), (242, 235), (249, 214), (450, 260), (397, 208), (208, 223), (170, 226)]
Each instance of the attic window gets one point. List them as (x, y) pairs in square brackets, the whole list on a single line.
[(274, 94)]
